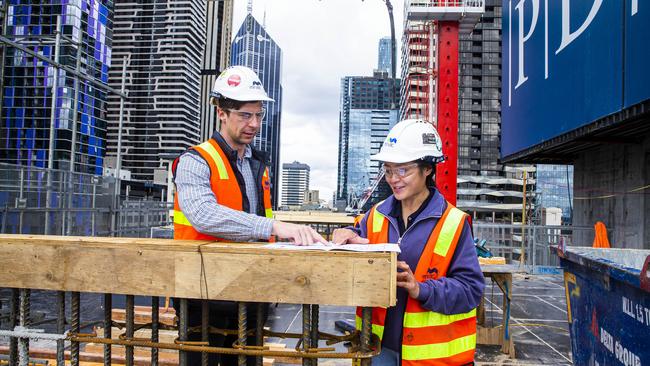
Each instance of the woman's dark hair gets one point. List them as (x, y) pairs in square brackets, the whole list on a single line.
[(424, 163), (228, 104)]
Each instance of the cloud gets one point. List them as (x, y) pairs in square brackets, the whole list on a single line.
[(322, 41)]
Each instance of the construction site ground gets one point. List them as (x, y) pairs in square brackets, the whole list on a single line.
[(538, 321)]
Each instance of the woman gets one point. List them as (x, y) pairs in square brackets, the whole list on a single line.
[(439, 279)]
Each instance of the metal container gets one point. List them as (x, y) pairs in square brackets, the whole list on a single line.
[(608, 305)]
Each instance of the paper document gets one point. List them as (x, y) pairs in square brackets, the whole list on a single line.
[(344, 247)]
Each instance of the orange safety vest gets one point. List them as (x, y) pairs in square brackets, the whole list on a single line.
[(224, 186), (429, 338)]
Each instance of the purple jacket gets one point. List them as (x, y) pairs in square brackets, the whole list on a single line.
[(459, 292)]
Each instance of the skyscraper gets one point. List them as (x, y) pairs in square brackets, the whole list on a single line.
[(384, 60), (485, 186), (78, 117), (295, 182), (162, 44), (254, 47), (554, 188), (216, 57), (368, 110)]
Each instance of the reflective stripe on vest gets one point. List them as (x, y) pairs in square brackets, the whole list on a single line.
[(218, 161), (439, 350), (453, 220), (179, 218), (431, 319)]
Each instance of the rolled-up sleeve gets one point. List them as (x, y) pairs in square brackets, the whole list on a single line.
[(199, 204)]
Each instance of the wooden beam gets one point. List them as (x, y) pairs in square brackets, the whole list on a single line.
[(197, 269)]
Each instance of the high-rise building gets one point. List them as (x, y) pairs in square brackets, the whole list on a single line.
[(162, 43), (486, 188), (418, 89), (368, 110), (554, 188), (295, 183), (384, 60), (78, 116), (216, 57), (254, 47)]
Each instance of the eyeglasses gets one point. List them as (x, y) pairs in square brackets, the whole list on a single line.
[(401, 171), (247, 116)]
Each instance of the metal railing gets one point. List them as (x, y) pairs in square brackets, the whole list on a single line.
[(532, 242), (79, 204)]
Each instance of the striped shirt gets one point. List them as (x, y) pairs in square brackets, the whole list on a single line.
[(199, 204)]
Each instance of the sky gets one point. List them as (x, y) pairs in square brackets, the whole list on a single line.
[(322, 41)]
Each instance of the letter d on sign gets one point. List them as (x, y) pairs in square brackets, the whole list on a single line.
[(567, 36), (522, 39)]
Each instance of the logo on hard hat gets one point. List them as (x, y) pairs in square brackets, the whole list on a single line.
[(431, 139), (234, 80), (391, 141)]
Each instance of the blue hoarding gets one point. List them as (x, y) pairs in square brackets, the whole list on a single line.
[(568, 63)]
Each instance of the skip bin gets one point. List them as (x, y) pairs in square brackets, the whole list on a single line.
[(608, 305)]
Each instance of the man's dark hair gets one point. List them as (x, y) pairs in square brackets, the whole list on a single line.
[(228, 104)]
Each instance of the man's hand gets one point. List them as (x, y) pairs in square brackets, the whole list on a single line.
[(298, 234), (406, 279), (347, 236)]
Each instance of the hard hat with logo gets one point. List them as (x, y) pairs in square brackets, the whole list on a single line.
[(238, 83), (410, 140)]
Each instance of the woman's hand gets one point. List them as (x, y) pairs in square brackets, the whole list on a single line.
[(347, 236), (406, 279)]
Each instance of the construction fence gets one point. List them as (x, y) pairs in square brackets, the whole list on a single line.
[(57, 202)]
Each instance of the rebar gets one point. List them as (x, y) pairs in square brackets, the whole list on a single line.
[(108, 324), (182, 330), (205, 320), (60, 328), (314, 330), (23, 321), (155, 308), (366, 333), (306, 331), (259, 331), (130, 315), (242, 330), (75, 304), (13, 321)]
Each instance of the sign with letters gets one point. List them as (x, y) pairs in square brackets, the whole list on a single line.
[(568, 63)]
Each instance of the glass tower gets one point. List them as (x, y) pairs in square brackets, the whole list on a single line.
[(29, 87), (383, 58), (254, 47), (368, 110)]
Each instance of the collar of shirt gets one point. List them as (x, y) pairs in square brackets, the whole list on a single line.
[(396, 212)]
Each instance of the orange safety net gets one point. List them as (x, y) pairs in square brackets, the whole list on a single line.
[(600, 239)]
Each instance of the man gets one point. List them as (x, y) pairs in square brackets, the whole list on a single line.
[(223, 193)]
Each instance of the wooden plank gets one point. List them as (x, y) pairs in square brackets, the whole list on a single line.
[(173, 268), (142, 315), (88, 359), (164, 336), (169, 356)]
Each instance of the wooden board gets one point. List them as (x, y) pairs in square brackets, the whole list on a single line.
[(142, 315), (173, 268)]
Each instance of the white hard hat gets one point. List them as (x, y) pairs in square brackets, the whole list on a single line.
[(410, 140), (238, 83)]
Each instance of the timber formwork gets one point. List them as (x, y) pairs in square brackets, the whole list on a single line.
[(245, 273)]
